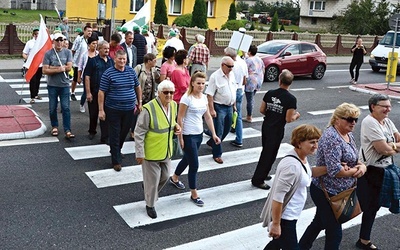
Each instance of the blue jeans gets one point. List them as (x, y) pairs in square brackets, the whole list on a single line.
[(239, 122), (288, 238), (83, 96), (324, 220), (119, 123), (63, 93), (190, 157), (222, 125), (250, 102)]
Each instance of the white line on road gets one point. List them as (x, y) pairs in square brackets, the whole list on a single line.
[(42, 91), (330, 111), (28, 141), (338, 87)]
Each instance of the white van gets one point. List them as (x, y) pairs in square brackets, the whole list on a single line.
[(379, 56)]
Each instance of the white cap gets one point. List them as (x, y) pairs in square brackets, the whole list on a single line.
[(243, 30), (58, 35)]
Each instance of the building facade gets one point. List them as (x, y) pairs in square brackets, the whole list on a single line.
[(33, 4), (217, 10)]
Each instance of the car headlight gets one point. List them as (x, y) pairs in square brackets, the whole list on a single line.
[(372, 56)]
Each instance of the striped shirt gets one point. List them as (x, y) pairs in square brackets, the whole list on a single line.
[(119, 87)]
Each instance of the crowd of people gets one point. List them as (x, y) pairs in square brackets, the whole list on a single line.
[(129, 94)]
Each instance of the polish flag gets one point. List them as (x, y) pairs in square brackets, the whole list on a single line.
[(42, 45)]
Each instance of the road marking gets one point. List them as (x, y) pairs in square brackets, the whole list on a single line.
[(40, 140), (102, 150), (330, 111), (45, 99), (338, 87), (21, 81), (42, 91), (18, 86), (179, 205), (256, 237), (303, 89), (344, 70)]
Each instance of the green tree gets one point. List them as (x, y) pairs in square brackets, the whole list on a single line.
[(233, 24), (241, 6), (274, 23), (160, 13), (258, 7), (232, 12), (199, 15), (282, 28), (184, 20)]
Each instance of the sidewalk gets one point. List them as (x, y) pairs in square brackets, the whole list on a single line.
[(19, 122)]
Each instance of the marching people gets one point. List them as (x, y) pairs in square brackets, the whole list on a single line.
[(122, 88), (278, 107), (140, 43), (131, 50), (93, 71), (288, 194), (199, 55), (173, 41), (115, 45), (169, 65), (221, 95), (34, 83), (380, 141), (357, 60), (180, 76), (154, 130), (64, 27), (57, 62), (192, 108), (337, 151)]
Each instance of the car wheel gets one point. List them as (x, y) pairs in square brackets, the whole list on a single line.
[(375, 69), (271, 74), (318, 72)]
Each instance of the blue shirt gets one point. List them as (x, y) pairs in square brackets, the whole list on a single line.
[(95, 68), (332, 151), (119, 87)]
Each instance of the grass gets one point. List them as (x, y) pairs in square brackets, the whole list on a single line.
[(24, 16), (288, 28)]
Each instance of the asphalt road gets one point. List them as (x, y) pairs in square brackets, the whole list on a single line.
[(48, 200)]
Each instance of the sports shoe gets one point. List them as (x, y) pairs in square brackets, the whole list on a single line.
[(197, 201), (38, 97), (32, 101), (73, 98), (178, 184), (234, 143), (354, 82), (351, 81), (82, 109)]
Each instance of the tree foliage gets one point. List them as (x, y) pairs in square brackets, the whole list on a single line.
[(184, 20), (233, 24), (365, 17), (232, 11), (274, 23), (199, 15), (241, 6), (286, 10), (160, 13)]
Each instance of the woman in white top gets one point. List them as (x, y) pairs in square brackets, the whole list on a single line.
[(192, 107), (289, 189)]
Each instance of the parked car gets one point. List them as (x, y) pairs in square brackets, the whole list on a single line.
[(301, 58), (379, 56)]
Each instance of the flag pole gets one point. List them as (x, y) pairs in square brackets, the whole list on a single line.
[(22, 88), (65, 74)]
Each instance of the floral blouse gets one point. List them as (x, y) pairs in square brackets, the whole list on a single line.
[(256, 73)]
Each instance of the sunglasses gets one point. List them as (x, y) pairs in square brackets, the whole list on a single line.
[(168, 92), (350, 119), (229, 66), (59, 40)]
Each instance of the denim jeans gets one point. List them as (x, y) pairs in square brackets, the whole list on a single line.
[(288, 238), (250, 102), (324, 220), (119, 122), (190, 157), (83, 96), (222, 125), (239, 122), (63, 93)]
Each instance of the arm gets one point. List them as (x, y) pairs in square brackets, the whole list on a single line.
[(138, 90), (385, 148), (142, 126), (292, 115), (275, 229), (181, 114), (51, 70), (210, 99), (210, 125), (100, 99), (263, 108), (89, 96)]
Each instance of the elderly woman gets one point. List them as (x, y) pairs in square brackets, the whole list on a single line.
[(256, 78), (169, 64), (338, 152), (180, 76), (153, 142), (380, 140), (193, 107), (289, 189)]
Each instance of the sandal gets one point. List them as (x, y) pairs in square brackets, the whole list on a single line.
[(54, 131), (69, 135)]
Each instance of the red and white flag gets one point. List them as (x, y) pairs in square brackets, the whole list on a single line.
[(42, 45)]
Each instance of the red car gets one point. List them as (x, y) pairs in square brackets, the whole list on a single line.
[(301, 58)]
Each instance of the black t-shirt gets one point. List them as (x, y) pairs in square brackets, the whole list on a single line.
[(278, 102), (358, 54)]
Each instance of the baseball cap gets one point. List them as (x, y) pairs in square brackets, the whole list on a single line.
[(172, 33), (35, 29), (58, 35), (136, 28), (79, 30), (144, 31), (242, 30), (124, 29)]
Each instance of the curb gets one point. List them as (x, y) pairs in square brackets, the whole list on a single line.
[(371, 92)]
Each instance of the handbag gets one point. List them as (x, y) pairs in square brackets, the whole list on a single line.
[(176, 147), (345, 205)]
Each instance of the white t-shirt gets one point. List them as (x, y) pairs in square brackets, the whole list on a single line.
[(28, 47), (192, 122), (240, 70), (372, 130)]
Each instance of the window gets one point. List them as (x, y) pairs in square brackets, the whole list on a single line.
[(136, 5), (210, 8), (317, 5), (313, 20), (293, 49), (175, 6), (307, 48)]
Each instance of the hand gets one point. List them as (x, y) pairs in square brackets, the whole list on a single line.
[(361, 169), (275, 231), (216, 140), (345, 166), (62, 69), (89, 97), (177, 129), (79, 80), (213, 113), (102, 115), (139, 160)]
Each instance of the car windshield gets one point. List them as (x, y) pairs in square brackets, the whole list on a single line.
[(271, 48), (388, 39)]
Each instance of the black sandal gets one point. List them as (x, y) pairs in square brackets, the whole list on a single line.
[(368, 246)]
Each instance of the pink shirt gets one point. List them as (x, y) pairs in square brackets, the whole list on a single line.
[(181, 81), (166, 69)]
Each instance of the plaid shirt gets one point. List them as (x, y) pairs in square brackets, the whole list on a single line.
[(200, 54)]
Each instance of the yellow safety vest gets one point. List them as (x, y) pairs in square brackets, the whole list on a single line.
[(158, 140)]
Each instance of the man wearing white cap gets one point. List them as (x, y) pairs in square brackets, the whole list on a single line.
[(174, 42)]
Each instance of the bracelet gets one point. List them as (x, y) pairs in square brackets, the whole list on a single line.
[(140, 101)]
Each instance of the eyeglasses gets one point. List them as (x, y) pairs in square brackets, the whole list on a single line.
[(350, 119), (168, 92), (229, 66), (384, 106), (59, 40)]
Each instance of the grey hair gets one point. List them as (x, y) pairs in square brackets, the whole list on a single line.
[(375, 99), (230, 52), (226, 59), (201, 38), (102, 43), (166, 84)]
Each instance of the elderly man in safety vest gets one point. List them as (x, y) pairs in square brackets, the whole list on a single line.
[(154, 130)]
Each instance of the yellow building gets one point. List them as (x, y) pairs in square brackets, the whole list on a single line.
[(217, 10)]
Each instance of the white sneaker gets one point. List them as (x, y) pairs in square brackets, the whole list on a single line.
[(82, 109), (352, 81)]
